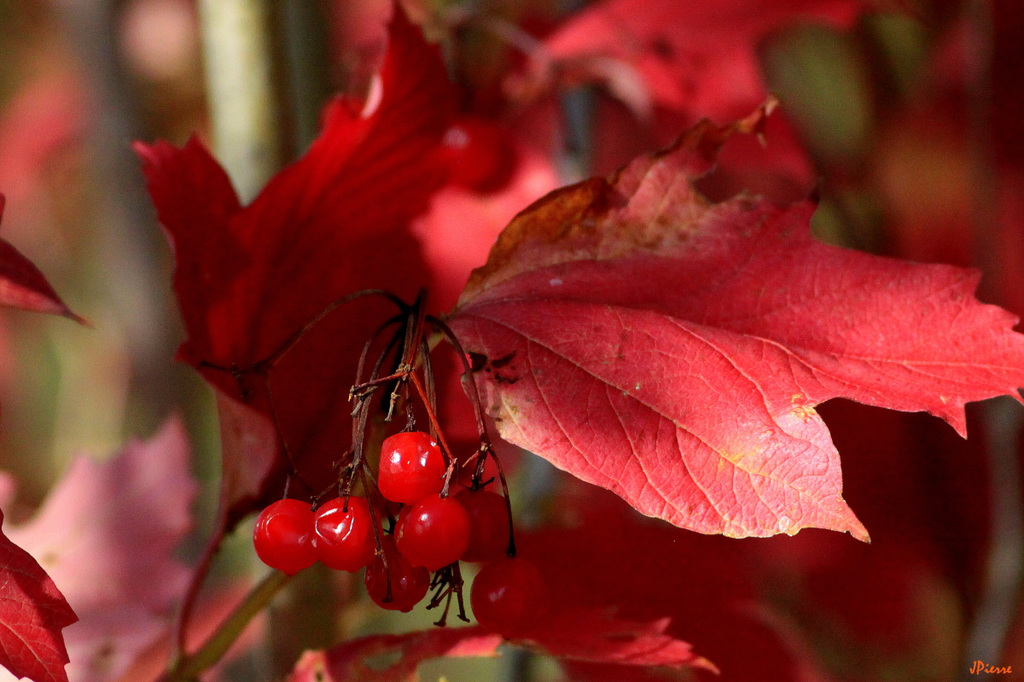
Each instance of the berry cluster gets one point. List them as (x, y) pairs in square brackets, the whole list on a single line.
[(415, 518), (432, 532)]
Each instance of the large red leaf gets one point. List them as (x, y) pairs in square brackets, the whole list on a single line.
[(335, 222), (248, 278), (673, 351), (23, 286), (32, 614)]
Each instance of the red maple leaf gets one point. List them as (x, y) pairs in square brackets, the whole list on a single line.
[(23, 286), (598, 552), (673, 350), (248, 279), (32, 613)]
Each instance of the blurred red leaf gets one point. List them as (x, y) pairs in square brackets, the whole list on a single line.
[(700, 58), (673, 351), (108, 533), (462, 225), (899, 601), (46, 114), (577, 634), (598, 555), (335, 222), (349, 661), (594, 636), (33, 613), (250, 444), (23, 286)]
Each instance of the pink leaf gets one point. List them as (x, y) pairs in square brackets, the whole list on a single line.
[(32, 614), (673, 351), (108, 532)]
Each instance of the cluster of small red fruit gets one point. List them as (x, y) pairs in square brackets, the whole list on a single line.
[(432, 531)]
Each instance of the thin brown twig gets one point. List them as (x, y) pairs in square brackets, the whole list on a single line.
[(463, 356), (271, 360), (275, 418), (433, 420)]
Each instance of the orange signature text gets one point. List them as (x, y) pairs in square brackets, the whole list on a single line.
[(980, 667)]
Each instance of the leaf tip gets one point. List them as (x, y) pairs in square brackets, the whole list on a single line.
[(75, 317), (701, 662), (844, 520), (858, 531), (706, 138)]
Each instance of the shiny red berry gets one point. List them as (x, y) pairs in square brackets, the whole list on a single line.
[(409, 584), (433, 533), (488, 525), (283, 536), (509, 597), (411, 467), (344, 539), (479, 154)]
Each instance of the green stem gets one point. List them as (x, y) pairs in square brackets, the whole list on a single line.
[(189, 667)]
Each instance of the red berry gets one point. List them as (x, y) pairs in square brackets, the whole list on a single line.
[(508, 597), (411, 467), (479, 154), (434, 533), (488, 525), (409, 584), (283, 536), (344, 539)]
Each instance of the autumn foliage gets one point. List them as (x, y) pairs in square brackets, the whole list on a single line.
[(685, 334)]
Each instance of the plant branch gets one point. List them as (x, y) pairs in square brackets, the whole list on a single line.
[(189, 667)]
